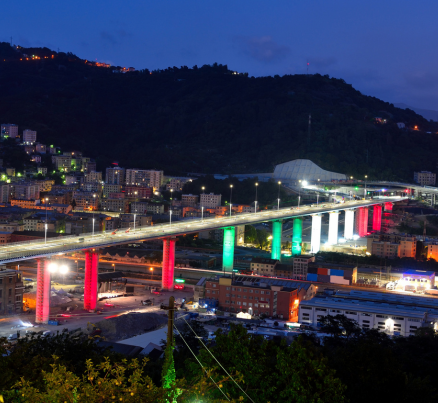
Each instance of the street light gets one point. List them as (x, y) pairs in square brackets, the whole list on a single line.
[(171, 194), (94, 197), (317, 198), (114, 266), (279, 186), (255, 203), (202, 213), (77, 266), (170, 216), (46, 225), (134, 221), (203, 188), (231, 194), (365, 192), (152, 271)]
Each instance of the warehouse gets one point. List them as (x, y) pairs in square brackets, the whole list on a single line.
[(396, 315)]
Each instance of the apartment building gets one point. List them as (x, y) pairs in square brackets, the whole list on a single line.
[(263, 266), (11, 292), (116, 205), (144, 177), (26, 191), (210, 200), (93, 177), (86, 200), (40, 148), (29, 137), (392, 246), (109, 188), (115, 176), (138, 192), (155, 208), (9, 130), (425, 178), (62, 162), (301, 266), (189, 200)]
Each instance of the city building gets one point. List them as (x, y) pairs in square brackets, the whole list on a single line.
[(396, 315), (139, 207), (62, 162), (392, 245), (176, 184), (116, 205), (26, 191), (9, 130), (115, 176), (138, 192), (88, 166), (425, 178), (11, 292), (210, 200), (258, 296), (110, 188), (4, 193), (29, 137), (189, 200), (155, 208), (45, 185), (40, 148), (300, 266), (263, 266), (92, 177), (144, 177), (86, 200)]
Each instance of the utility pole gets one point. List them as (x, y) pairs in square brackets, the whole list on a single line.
[(168, 373)]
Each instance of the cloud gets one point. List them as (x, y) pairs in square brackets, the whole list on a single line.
[(263, 48)]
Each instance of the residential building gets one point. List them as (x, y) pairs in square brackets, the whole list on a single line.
[(89, 166), (40, 148), (115, 176), (189, 200), (155, 208), (110, 188), (425, 178), (263, 266), (27, 204), (392, 246), (9, 130), (283, 270), (5, 237), (4, 193), (396, 315), (58, 197), (176, 184), (10, 171), (11, 292), (143, 177), (45, 185), (26, 191), (35, 158), (62, 162), (86, 200), (29, 137), (301, 265), (92, 177), (95, 187), (117, 205), (29, 149), (37, 222), (42, 170), (139, 207), (259, 296), (138, 192), (210, 200)]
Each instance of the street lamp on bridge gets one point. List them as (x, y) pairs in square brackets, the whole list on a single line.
[(231, 195), (255, 202), (279, 186)]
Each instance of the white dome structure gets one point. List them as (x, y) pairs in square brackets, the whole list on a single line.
[(304, 170)]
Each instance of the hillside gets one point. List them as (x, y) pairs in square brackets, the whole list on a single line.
[(428, 114), (208, 119)]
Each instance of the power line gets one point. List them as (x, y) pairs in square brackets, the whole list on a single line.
[(226, 397), (218, 361)]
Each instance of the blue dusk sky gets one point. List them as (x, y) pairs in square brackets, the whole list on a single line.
[(386, 49)]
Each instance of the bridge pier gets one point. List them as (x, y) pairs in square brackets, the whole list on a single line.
[(90, 283), (228, 249), (362, 222), (377, 217), (43, 291), (297, 236), (349, 224), (277, 231), (333, 227), (168, 264), (315, 242), (388, 206)]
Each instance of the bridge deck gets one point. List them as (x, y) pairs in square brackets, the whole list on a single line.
[(13, 252)]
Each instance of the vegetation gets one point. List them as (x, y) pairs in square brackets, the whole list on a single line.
[(207, 119)]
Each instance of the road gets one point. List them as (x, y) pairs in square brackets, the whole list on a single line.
[(61, 245)]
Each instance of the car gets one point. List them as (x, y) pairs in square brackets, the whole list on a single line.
[(47, 333), (12, 337), (156, 292), (178, 287), (147, 302)]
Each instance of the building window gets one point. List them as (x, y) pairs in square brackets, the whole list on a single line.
[(10, 280), (10, 292), (228, 288), (251, 291), (214, 285), (227, 295)]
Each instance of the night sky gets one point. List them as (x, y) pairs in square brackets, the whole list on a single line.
[(387, 49)]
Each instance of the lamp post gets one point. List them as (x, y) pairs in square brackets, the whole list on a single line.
[(114, 266), (170, 217), (77, 267), (255, 203), (299, 193), (279, 186), (365, 195), (202, 213), (46, 225), (152, 271), (317, 199), (134, 221), (203, 188), (171, 194), (231, 195), (94, 197)]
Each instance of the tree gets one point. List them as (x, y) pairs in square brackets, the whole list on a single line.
[(250, 234), (73, 204)]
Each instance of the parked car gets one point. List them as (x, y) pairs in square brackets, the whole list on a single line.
[(13, 336)]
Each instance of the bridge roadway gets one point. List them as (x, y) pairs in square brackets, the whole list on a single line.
[(19, 251)]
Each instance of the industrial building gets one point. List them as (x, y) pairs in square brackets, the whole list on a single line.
[(398, 315)]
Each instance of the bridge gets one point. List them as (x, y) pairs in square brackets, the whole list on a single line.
[(45, 251)]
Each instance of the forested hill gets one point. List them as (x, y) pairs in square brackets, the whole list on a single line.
[(208, 119)]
